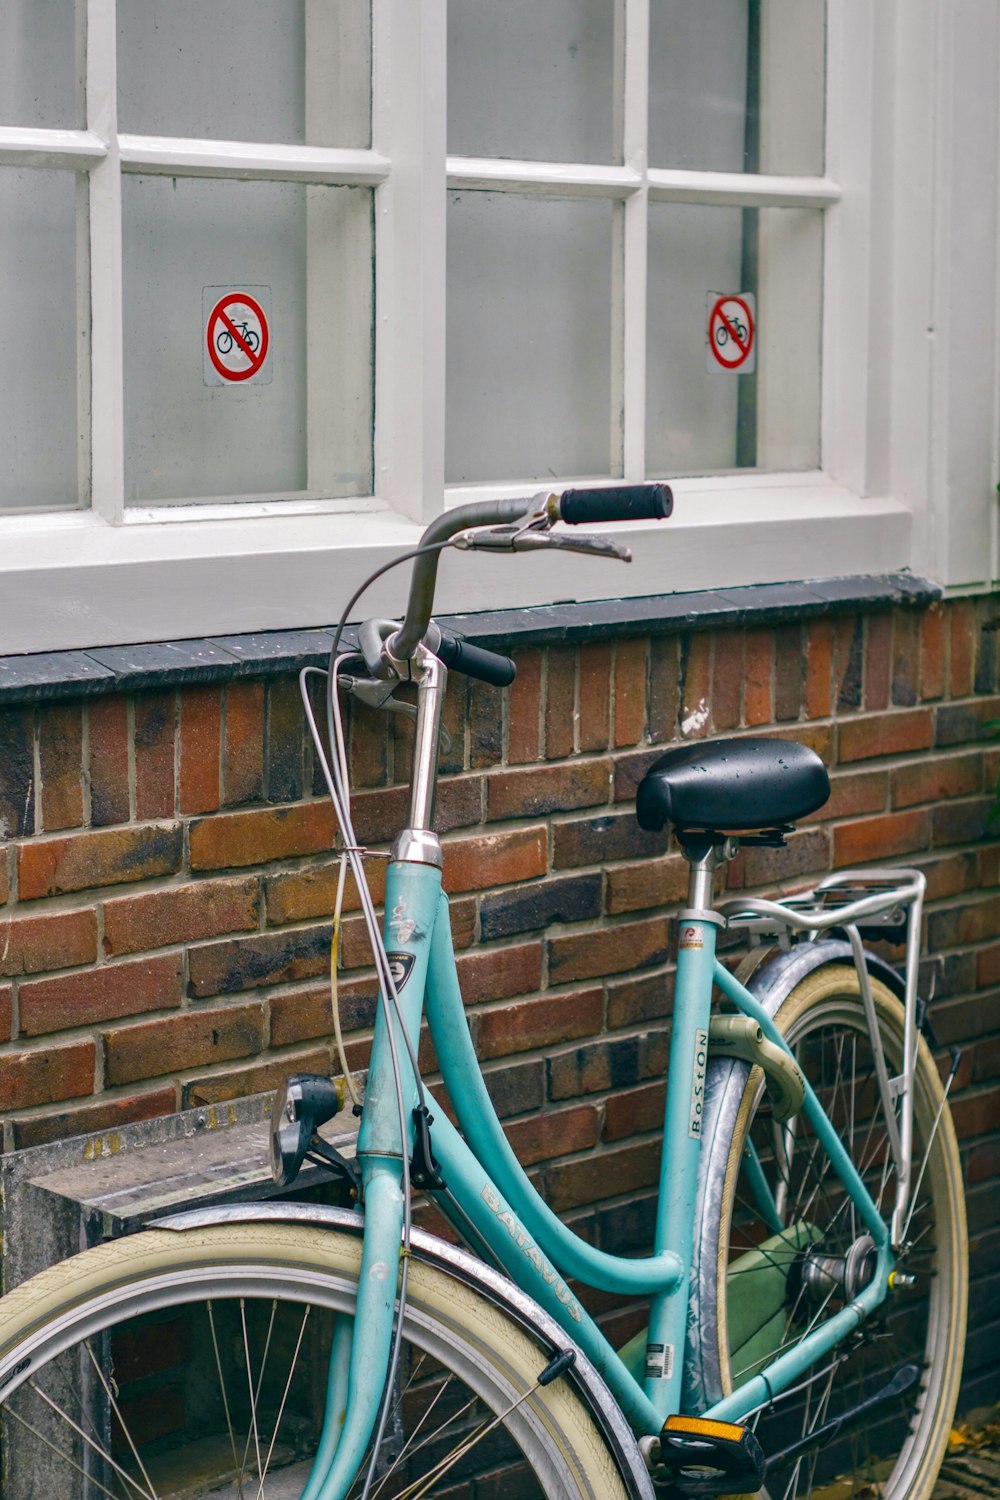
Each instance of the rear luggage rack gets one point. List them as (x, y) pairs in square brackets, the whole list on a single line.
[(874, 904)]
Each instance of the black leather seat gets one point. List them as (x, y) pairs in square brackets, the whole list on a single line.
[(723, 786)]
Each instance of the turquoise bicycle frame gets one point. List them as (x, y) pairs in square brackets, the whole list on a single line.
[(499, 1211)]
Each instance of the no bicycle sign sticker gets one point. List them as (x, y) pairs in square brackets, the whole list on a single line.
[(236, 335), (732, 332)]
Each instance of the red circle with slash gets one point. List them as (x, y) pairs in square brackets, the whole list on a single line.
[(731, 332), (237, 337)]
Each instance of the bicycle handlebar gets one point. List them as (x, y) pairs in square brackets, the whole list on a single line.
[(475, 661), (626, 502), (635, 502)]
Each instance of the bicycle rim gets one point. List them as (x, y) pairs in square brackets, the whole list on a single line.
[(174, 1366), (763, 1275)]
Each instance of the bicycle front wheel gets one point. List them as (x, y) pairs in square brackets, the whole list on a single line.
[(193, 1363), (779, 1248)]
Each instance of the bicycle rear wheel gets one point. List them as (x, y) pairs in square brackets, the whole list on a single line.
[(176, 1365), (767, 1268)]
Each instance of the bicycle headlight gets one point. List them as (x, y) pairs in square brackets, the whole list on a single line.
[(301, 1105)]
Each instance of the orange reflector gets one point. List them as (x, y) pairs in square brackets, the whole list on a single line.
[(705, 1427)]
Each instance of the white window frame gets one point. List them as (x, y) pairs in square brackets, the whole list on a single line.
[(908, 471)]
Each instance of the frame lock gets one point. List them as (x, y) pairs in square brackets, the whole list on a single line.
[(742, 1037)]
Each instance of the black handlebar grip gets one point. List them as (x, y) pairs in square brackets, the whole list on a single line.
[(625, 502), (474, 661)]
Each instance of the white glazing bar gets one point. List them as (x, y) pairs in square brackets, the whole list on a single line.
[(107, 373), (546, 178), (409, 118), (178, 157), (49, 148), (636, 211), (741, 189)]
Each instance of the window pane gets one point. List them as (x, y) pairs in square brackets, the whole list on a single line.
[(529, 337), (38, 71), (703, 417), (242, 402), (531, 82), (293, 71), (737, 85), (43, 337)]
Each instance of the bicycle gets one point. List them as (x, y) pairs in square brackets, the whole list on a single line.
[(249, 337), (807, 1279)]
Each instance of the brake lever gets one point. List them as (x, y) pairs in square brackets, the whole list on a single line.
[(521, 539), (378, 694)]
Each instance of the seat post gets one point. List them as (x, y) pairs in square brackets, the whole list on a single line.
[(704, 856)]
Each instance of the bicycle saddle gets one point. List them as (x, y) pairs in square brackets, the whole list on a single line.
[(727, 785)]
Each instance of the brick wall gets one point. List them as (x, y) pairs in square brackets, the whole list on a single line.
[(166, 883)]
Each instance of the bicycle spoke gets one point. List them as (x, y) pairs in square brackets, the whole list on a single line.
[(101, 1452), (117, 1411), (253, 1402), (63, 1457), (237, 1466), (284, 1396)]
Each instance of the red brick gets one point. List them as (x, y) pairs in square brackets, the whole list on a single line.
[(937, 779), (18, 787), (191, 1040), (544, 789), (609, 1174), (554, 1133), (633, 1001), (885, 734), (727, 680), (848, 651), (80, 861), (46, 1074), (524, 712), (297, 895), (758, 696), (651, 882), (243, 743), (878, 662), (485, 728), (109, 756), (4, 876), (369, 746), (50, 940), (180, 914), (299, 1015), (284, 768), (853, 793), (237, 1083), (454, 720), (950, 874), (789, 672), (102, 994), (881, 838), (695, 705), (155, 717), (975, 1114), (543, 1022), (905, 658), (988, 966), (819, 669), (498, 973), (595, 695), (6, 1015), (491, 859), (962, 641), (607, 950), (262, 834), (630, 693), (633, 1111), (560, 702), (60, 752), (664, 687), (275, 957), (87, 1119), (200, 748), (933, 653), (611, 836)]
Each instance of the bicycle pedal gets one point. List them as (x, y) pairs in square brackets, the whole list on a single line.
[(701, 1458)]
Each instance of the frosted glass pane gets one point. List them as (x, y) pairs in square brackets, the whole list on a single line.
[(38, 75), (290, 71), (529, 337), (42, 339), (302, 421), (737, 85), (531, 82), (702, 418)]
